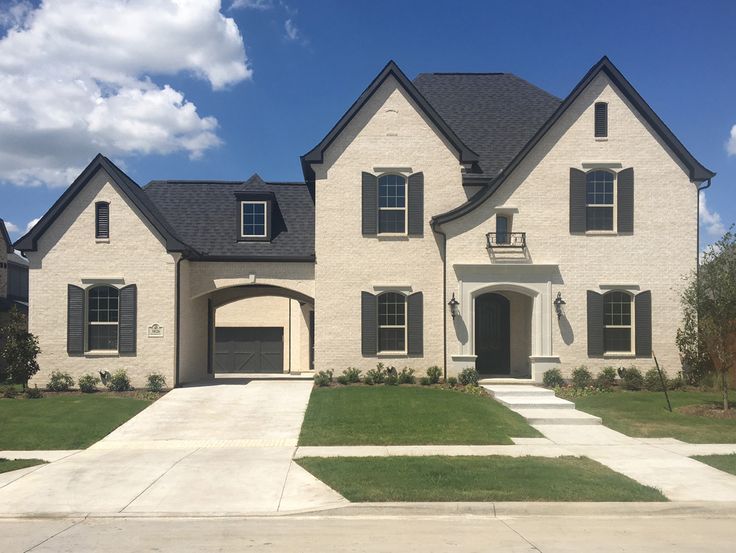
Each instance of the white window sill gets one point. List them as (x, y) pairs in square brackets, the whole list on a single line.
[(392, 236), (619, 355), (101, 353), (601, 139), (391, 354), (600, 233), (102, 240)]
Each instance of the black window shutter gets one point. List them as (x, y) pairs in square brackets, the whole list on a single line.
[(369, 323), (102, 220), (643, 323), (127, 319), (370, 204), (625, 200), (578, 219), (595, 324), (416, 204), (75, 320), (601, 120), (415, 324)]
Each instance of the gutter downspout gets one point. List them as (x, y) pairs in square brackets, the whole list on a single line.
[(697, 253), (435, 228)]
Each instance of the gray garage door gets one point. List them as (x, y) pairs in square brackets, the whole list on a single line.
[(249, 350)]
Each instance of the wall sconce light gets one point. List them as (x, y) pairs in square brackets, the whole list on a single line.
[(453, 303), (559, 305)]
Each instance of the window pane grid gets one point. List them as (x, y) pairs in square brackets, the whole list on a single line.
[(254, 219), (391, 322), (617, 322), (392, 204), (102, 318), (599, 200)]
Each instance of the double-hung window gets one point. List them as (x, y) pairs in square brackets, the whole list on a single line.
[(391, 322), (254, 219), (392, 204), (599, 200), (102, 318), (617, 322)]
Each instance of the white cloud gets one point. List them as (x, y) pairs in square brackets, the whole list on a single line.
[(260, 5), (32, 223), (292, 32), (711, 220), (12, 227), (731, 144), (77, 77)]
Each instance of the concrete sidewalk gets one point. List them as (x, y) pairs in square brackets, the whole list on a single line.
[(215, 449)]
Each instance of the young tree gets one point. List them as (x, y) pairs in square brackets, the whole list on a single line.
[(19, 350), (709, 305)]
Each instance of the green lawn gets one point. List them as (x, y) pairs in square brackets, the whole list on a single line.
[(6, 465), (492, 478), (726, 463), (73, 421), (645, 414), (407, 415)]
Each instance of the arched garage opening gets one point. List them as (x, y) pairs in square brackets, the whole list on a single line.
[(257, 329)]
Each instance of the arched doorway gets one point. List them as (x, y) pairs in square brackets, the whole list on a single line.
[(492, 334)]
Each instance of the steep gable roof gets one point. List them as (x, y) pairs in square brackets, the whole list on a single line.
[(696, 171), (6, 237), (205, 214), (316, 154), (128, 187), (493, 113)]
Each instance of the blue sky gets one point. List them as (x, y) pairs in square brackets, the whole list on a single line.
[(304, 63)]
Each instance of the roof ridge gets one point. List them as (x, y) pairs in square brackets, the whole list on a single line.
[(466, 73)]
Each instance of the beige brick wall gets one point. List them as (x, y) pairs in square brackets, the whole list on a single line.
[(3, 268), (69, 254), (661, 251), (388, 132)]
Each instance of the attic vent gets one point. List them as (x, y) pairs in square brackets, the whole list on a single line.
[(601, 120), (102, 220)]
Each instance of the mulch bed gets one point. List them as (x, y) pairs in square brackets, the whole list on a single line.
[(708, 410)]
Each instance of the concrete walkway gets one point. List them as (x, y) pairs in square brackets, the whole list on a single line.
[(213, 449)]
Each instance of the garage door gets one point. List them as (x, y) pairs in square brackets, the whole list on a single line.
[(249, 350)]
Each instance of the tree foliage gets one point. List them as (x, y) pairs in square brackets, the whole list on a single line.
[(707, 338), (19, 350)]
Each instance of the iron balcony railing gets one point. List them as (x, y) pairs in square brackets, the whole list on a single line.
[(506, 240)]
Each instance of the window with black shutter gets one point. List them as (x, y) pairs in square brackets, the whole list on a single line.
[(601, 120), (102, 220)]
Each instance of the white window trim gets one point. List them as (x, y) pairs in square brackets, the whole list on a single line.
[(405, 208), (87, 323), (632, 352), (264, 203), (614, 205), (405, 326)]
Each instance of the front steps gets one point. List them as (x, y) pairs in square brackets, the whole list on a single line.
[(539, 405)]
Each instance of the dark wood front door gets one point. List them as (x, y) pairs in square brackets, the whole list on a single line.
[(492, 335)]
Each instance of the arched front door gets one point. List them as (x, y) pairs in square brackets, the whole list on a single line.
[(492, 334)]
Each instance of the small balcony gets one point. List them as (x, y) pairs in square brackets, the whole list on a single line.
[(506, 240)]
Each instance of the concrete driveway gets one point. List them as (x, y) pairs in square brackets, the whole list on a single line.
[(222, 448)]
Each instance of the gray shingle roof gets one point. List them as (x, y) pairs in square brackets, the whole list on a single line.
[(205, 216), (495, 114)]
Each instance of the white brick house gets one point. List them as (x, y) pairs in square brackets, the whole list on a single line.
[(454, 220)]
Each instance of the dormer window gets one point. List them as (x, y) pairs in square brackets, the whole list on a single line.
[(254, 219)]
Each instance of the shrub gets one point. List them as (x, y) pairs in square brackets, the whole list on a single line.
[(8, 392), (368, 380), (468, 377), (323, 378), (606, 379), (676, 383), (60, 382), (352, 375), (632, 379), (553, 378), (392, 377), (33, 393), (581, 377), (342, 379), (424, 381), (155, 382), (119, 381), (406, 376), (88, 383), (434, 373), (377, 375), (452, 381), (652, 382)]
